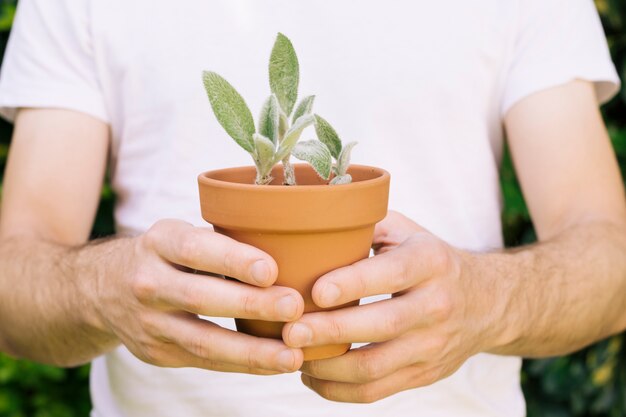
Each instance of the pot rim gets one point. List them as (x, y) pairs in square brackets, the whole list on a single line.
[(358, 204), (205, 179)]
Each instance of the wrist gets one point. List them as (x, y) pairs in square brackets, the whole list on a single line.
[(493, 299), (97, 265)]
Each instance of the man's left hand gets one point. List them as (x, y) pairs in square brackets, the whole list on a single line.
[(433, 323)]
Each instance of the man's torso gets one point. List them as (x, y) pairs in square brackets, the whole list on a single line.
[(417, 84)]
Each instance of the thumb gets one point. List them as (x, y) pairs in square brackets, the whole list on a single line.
[(394, 229)]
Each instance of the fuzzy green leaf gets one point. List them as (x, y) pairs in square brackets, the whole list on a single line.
[(284, 73), (292, 136), (343, 162), (269, 119), (263, 159), (230, 109), (283, 125), (304, 107), (315, 153), (263, 153), (341, 179), (328, 136)]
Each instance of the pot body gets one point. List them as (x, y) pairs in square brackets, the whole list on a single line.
[(309, 229)]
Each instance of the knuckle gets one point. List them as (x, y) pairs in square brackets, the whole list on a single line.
[(367, 394), (188, 249), (158, 231), (254, 360), (325, 390), (400, 276), (231, 263), (152, 355), (199, 345), (440, 257), (336, 330), (151, 236), (143, 286), (313, 368), (360, 271), (207, 364), (393, 324), (192, 299), (148, 324), (249, 305), (427, 378), (440, 306), (370, 367), (433, 348)]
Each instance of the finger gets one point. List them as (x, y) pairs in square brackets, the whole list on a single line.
[(217, 297), (202, 249), (382, 231), (404, 379), (213, 343), (375, 322), (414, 261), (374, 361), (172, 356), (394, 229)]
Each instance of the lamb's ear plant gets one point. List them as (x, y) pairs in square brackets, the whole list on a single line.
[(341, 154), (281, 122)]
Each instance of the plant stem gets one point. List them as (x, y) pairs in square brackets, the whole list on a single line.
[(263, 180), (290, 175)]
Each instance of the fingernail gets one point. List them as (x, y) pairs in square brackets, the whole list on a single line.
[(330, 294), (260, 272), (287, 307), (286, 360), (300, 335)]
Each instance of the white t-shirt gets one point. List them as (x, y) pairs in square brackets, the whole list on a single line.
[(422, 86)]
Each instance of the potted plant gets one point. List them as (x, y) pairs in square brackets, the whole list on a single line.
[(311, 218)]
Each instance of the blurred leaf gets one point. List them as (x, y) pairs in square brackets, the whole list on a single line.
[(7, 13)]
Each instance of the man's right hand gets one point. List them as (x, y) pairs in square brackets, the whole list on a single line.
[(64, 301), (154, 286)]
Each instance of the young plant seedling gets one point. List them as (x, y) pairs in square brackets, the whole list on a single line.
[(329, 137), (280, 123)]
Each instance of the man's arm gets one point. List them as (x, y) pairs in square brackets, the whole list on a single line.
[(549, 298), (50, 195), (570, 289), (64, 301)]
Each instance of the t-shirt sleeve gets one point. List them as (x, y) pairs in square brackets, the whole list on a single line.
[(49, 60), (558, 41)]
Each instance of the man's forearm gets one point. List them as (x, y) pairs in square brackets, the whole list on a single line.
[(556, 296), (67, 305), (47, 300)]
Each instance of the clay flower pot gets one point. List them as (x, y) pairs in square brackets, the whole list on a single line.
[(309, 229)]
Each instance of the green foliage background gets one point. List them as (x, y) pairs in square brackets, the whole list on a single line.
[(589, 383)]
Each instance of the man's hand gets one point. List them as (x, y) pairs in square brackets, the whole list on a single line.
[(153, 288), (64, 301), (550, 298), (422, 334)]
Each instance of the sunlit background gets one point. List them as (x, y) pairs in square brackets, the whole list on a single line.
[(588, 383)]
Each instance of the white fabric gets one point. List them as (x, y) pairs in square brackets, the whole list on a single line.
[(422, 86)]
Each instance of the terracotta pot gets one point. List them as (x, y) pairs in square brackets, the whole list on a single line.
[(309, 229)]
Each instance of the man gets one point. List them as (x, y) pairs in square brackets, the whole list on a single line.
[(426, 89)]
